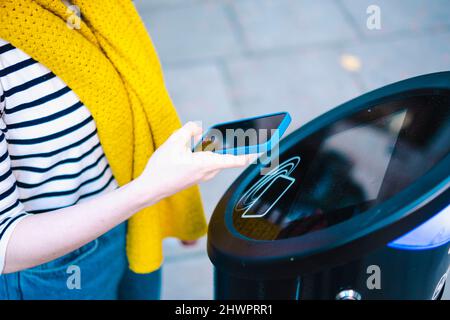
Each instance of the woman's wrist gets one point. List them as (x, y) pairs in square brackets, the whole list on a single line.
[(141, 194)]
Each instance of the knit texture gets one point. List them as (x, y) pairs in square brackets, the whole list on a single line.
[(111, 64)]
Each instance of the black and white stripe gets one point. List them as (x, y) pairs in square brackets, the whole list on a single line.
[(50, 154)]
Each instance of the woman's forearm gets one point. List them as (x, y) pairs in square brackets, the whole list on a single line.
[(43, 237), (40, 238)]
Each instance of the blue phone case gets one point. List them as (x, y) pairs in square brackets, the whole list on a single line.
[(264, 147)]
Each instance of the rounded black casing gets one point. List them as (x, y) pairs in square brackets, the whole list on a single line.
[(347, 185)]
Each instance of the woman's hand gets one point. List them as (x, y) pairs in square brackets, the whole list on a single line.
[(174, 167), (171, 168)]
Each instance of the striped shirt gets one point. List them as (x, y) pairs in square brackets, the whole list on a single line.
[(50, 154)]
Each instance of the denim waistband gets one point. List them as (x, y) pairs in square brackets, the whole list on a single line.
[(93, 271)]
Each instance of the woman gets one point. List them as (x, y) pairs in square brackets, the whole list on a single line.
[(82, 110)]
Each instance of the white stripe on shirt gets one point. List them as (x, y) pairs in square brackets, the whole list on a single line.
[(51, 156)]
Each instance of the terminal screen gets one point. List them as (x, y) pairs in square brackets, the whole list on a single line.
[(346, 168)]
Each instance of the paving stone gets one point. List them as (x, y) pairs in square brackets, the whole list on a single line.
[(394, 60), (306, 85), (173, 249), (269, 24), (188, 279), (413, 16), (143, 5), (199, 94), (191, 32), (213, 190)]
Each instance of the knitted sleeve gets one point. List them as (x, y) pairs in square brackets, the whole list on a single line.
[(11, 209)]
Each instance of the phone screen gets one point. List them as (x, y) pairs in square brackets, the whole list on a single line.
[(242, 133)]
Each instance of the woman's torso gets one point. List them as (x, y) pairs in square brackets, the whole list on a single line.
[(52, 158), (55, 153)]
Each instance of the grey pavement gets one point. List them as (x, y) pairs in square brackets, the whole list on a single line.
[(225, 59)]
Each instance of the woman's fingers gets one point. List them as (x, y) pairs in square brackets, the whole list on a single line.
[(210, 175), (231, 161), (217, 161), (206, 161), (186, 132), (198, 138)]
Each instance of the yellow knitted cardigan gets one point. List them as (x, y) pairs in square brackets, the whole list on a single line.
[(111, 64)]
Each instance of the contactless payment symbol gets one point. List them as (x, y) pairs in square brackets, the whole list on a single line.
[(271, 187)]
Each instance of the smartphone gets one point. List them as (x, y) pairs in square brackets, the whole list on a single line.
[(251, 135)]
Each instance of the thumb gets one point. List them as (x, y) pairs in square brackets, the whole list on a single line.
[(186, 132)]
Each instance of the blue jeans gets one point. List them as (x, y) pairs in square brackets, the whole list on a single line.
[(98, 270)]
